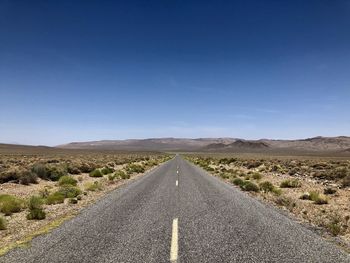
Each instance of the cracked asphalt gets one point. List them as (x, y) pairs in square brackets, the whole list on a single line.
[(216, 223)]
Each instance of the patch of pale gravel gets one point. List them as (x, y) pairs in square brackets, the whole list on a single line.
[(25, 191)]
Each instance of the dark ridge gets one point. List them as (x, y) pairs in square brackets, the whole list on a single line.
[(249, 144)]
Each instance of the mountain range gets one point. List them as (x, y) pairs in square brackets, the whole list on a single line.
[(315, 144)]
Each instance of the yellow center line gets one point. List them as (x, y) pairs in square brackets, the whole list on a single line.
[(174, 242)]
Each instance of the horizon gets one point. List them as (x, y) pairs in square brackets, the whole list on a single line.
[(87, 71), (176, 138)]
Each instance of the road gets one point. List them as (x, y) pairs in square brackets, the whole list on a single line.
[(178, 213)]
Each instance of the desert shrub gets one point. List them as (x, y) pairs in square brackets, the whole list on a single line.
[(35, 209), (3, 223), (314, 195), (317, 198), (276, 168), (69, 191), (247, 177), (237, 181), (286, 202), (28, 177), (73, 200), (329, 191), (73, 169), (205, 165), (305, 196), (123, 175), (40, 170), (231, 177), (334, 228), (135, 168), (111, 177), (8, 176), (253, 164), (346, 181), (256, 176), (321, 165), (222, 169), (152, 163), (266, 186), (67, 180), (95, 186), (250, 187), (107, 170), (55, 198), (277, 191), (321, 200), (341, 172), (49, 172), (36, 214), (10, 204), (54, 173), (86, 167), (209, 168), (294, 183), (53, 161), (335, 225), (16, 175), (224, 175), (96, 173), (292, 171), (35, 202), (227, 160)]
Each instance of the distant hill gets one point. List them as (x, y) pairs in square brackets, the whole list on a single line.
[(316, 144), (238, 145), (24, 149), (249, 144), (17, 149), (319, 143), (154, 144)]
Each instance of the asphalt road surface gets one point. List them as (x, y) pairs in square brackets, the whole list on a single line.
[(178, 213)]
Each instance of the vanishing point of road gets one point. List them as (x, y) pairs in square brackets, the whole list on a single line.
[(178, 213)]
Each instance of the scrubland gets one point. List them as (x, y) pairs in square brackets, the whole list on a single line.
[(39, 190), (315, 190)]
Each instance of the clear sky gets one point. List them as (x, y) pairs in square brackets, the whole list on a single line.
[(91, 70)]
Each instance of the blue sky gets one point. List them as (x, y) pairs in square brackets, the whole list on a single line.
[(90, 70)]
